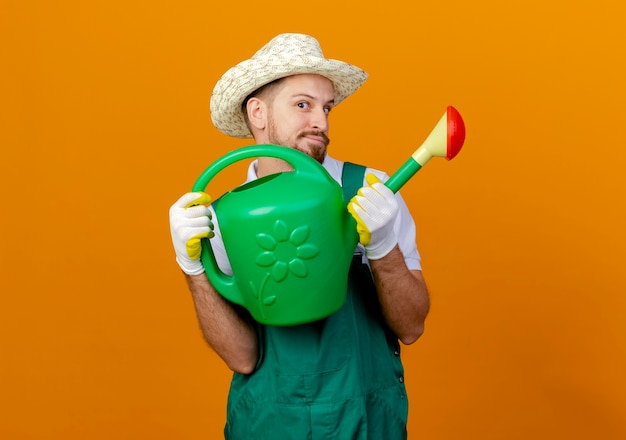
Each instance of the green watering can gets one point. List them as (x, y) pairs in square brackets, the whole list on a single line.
[(289, 236)]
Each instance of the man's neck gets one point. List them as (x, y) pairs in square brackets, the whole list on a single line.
[(271, 165)]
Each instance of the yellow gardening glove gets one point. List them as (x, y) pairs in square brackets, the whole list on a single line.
[(190, 221), (375, 209)]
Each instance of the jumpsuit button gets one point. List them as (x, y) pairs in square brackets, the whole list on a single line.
[(401, 379), (396, 352)]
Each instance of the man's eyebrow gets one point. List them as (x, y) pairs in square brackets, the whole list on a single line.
[(311, 97)]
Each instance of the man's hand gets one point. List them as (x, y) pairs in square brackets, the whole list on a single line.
[(190, 221), (375, 209)]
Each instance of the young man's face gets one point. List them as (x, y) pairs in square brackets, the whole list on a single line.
[(298, 114)]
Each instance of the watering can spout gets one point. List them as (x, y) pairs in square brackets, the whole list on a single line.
[(445, 140)]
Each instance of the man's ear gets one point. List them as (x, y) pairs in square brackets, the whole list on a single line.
[(257, 113)]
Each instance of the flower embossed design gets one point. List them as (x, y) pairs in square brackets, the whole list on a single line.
[(284, 252)]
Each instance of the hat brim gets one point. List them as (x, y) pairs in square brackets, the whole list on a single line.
[(246, 77)]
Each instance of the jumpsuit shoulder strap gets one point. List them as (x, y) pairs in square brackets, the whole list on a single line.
[(351, 179)]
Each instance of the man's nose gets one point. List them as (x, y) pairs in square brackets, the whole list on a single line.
[(319, 119)]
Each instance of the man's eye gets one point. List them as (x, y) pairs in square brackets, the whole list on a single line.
[(303, 105), (327, 110)]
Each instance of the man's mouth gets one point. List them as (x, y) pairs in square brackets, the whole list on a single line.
[(319, 138)]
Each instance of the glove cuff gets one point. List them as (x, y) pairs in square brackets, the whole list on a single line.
[(190, 267), (381, 249)]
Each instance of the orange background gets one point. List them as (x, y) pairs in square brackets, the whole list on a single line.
[(104, 123)]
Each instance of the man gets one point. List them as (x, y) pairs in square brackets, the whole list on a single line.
[(340, 377)]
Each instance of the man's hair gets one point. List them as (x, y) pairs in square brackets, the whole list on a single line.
[(265, 92)]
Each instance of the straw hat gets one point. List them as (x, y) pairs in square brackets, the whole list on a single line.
[(284, 55)]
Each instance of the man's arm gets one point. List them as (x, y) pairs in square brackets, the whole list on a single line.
[(227, 330), (402, 294), (232, 335)]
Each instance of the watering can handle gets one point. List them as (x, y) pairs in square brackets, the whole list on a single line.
[(299, 160), (445, 140)]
